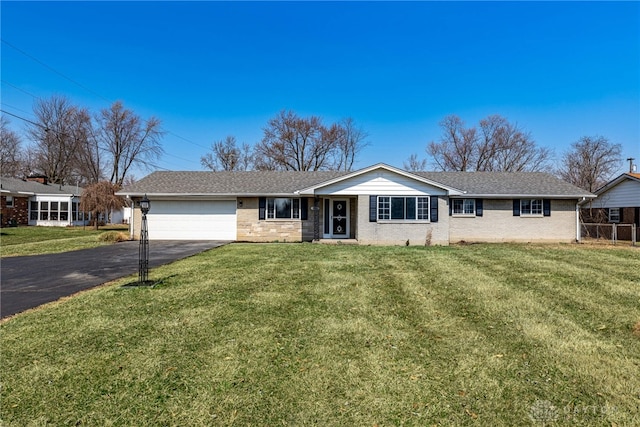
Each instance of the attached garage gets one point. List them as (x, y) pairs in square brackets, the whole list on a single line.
[(192, 220)]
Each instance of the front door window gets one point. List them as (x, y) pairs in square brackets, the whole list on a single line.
[(339, 218)]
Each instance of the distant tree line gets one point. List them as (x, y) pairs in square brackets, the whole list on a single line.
[(498, 145), (292, 142), (70, 145)]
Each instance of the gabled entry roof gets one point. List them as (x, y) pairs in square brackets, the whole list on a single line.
[(381, 166)]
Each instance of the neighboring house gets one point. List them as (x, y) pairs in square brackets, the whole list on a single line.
[(379, 204), (36, 202), (618, 202)]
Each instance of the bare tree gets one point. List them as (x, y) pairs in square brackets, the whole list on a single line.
[(415, 164), (590, 162), (497, 146), (100, 198), (456, 149), (128, 140), (60, 130), (89, 165), (226, 155), (11, 156), (295, 143), (298, 143), (505, 147), (352, 140)]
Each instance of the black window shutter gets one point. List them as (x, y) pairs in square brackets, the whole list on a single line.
[(479, 207), (450, 207), (434, 208), (516, 207), (621, 211), (373, 208), (262, 207), (304, 209), (546, 207)]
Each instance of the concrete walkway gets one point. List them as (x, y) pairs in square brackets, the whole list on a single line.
[(29, 281)]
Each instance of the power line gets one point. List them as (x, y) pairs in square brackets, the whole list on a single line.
[(15, 108), (54, 70), (79, 85), (20, 89), (22, 118)]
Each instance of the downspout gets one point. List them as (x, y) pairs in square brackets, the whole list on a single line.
[(578, 233), (131, 221)]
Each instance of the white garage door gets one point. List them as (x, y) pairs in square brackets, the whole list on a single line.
[(192, 220)]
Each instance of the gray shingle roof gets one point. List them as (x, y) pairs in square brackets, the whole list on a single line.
[(498, 184), (228, 183), (15, 185), (507, 183)]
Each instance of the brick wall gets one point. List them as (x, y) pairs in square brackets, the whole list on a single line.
[(19, 212), (399, 232), (499, 225)]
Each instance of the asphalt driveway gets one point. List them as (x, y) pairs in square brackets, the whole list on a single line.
[(29, 281)]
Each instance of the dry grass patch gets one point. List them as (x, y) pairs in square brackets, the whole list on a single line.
[(303, 334)]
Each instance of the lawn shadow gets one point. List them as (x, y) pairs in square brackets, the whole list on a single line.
[(147, 283)]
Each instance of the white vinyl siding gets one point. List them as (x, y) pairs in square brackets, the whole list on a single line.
[(624, 195), (384, 183)]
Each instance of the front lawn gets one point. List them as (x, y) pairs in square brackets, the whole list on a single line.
[(301, 334), (18, 241)]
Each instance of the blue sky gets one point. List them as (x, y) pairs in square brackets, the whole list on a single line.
[(212, 69)]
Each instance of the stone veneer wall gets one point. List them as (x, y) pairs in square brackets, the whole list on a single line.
[(252, 229)]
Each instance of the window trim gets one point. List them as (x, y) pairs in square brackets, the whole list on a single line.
[(385, 209), (532, 214), (271, 212), (609, 216), (463, 213)]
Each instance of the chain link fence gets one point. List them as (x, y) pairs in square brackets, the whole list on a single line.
[(610, 233)]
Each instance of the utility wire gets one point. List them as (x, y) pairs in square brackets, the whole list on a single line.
[(54, 70), (15, 108), (22, 118), (79, 85), (20, 89)]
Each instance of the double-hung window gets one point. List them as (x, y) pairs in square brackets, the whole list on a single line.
[(283, 208), (33, 210), (614, 214), (44, 211), (531, 207), (408, 208), (464, 206), (9, 201)]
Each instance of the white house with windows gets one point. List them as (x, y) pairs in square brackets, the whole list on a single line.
[(618, 202), (379, 204), (36, 202)]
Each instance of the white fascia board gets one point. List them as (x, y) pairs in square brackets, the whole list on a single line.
[(521, 196), (312, 190), (206, 195), (615, 182)]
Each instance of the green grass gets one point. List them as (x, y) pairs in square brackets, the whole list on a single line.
[(19, 241), (301, 334)]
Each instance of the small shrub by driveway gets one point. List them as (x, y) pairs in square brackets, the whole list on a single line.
[(299, 334)]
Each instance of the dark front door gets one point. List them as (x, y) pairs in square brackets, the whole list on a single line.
[(339, 218)]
